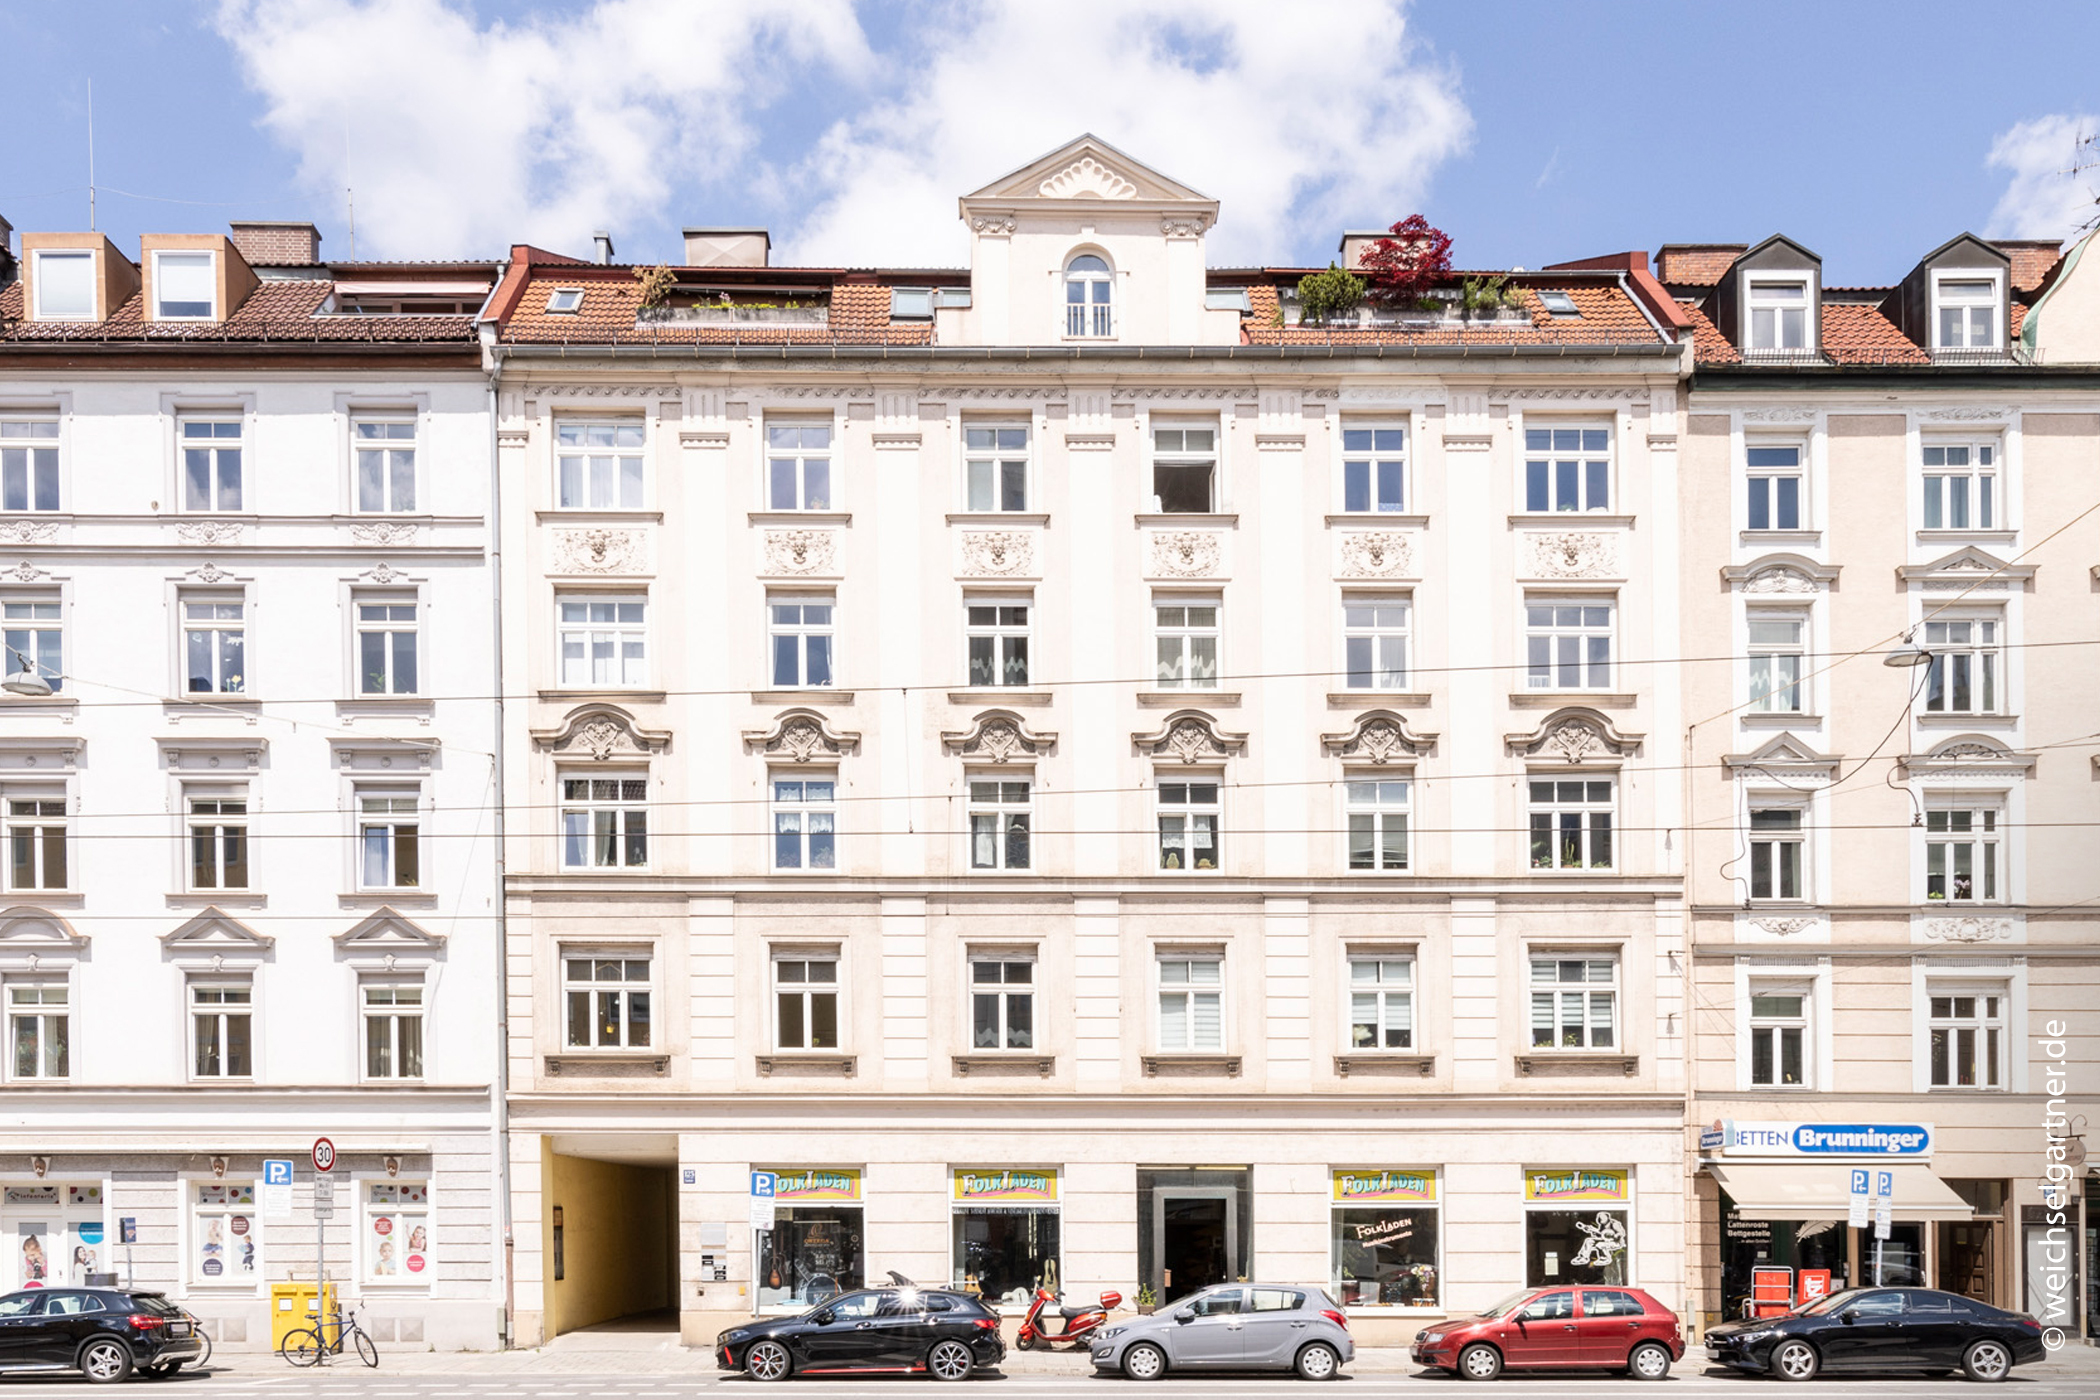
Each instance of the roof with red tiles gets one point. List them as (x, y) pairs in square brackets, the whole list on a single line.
[(858, 312), (1709, 346), (1856, 334), (276, 311), (1607, 316)]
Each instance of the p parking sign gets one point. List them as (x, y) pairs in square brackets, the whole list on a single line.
[(763, 1185)]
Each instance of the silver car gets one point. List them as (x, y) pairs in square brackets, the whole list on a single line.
[(1233, 1327)]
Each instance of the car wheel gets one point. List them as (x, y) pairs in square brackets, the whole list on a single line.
[(1987, 1361), (1144, 1362), (950, 1361), (768, 1361), (1318, 1362), (1795, 1360), (1650, 1362), (105, 1362), (1480, 1362)]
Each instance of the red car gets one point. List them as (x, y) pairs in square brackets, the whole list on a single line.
[(1597, 1329)]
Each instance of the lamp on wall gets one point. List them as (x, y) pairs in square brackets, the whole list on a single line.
[(26, 681)]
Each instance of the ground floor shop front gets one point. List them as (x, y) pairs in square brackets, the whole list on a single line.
[(413, 1242), (1405, 1213)]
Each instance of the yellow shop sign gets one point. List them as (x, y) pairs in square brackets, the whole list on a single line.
[(1008, 1186), (1385, 1186)]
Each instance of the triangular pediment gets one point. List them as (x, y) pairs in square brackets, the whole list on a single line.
[(1088, 168), (1969, 564), (213, 930), (387, 930)]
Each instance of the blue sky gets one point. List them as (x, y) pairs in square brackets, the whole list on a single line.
[(1531, 132)]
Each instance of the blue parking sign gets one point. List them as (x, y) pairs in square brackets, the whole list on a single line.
[(1859, 1181), (1885, 1185), (277, 1171), (762, 1185)]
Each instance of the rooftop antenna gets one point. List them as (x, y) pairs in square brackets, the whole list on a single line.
[(2085, 155), (91, 155)]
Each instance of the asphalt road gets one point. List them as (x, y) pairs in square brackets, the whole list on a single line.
[(2064, 1380)]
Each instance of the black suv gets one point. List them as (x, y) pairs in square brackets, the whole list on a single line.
[(905, 1331), (103, 1333)]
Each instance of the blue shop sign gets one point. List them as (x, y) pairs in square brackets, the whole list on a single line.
[(1747, 1139)]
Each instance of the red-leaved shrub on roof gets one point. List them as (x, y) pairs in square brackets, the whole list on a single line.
[(1402, 268)]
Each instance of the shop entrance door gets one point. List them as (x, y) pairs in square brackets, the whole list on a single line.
[(1195, 1232), (1967, 1260)]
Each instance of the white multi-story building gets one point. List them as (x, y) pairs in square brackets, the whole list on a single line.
[(245, 498), (1067, 770)]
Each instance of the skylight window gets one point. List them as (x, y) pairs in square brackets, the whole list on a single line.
[(1558, 304), (1225, 299), (911, 303), (566, 301)]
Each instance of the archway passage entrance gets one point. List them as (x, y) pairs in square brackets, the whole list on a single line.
[(611, 1224)]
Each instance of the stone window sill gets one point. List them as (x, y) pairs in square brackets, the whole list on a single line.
[(1377, 700), (1192, 1066), (1191, 699), (612, 1061), (816, 696), (1008, 1063), (803, 1062), (1577, 1062), (1384, 1062), (1555, 699)]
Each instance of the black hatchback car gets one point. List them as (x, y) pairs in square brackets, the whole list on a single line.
[(103, 1333), (1882, 1329), (877, 1331)]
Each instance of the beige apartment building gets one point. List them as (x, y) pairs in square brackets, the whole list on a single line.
[(1074, 770), (1890, 866)]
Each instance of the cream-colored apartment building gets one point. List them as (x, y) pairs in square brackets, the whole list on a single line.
[(1066, 770), (1890, 867)]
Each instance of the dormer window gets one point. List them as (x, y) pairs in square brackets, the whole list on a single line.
[(1089, 286), (1968, 313), (65, 286), (1558, 304), (1778, 315), (183, 287)]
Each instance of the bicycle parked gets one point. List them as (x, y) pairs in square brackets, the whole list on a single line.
[(310, 1346)]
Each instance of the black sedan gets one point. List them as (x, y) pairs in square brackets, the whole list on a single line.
[(877, 1331), (1882, 1329), (103, 1333)]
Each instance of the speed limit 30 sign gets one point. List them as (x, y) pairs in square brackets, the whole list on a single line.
[(324, 1155)]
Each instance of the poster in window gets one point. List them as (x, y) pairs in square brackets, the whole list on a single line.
[(397, 1245)]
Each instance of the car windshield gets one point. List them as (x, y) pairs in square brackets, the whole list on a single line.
[(1509, 1305), (848, 1305), (1830, 1303)]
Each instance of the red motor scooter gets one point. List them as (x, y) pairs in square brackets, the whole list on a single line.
[(1075, 1325)]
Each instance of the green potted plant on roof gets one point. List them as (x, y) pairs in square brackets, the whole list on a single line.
[(1330, 296), (1486, 298)]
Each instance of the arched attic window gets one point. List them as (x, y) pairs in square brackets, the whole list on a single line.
[(1089, 286)]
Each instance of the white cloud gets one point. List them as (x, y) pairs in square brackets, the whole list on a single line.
[(1299, 119), (2040, 199), (462, 138)]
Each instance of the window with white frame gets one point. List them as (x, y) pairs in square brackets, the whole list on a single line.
[(1185, 636), (1778, 643), (798, 465), (1374, 642), (1961, 481), (1377, 810), (28, 464), (1968, 1036), (397, 1231), (393, 1017), (1374, 469), (1779, 1031), (1381, 1002), (1567, 469), (386, 464), (1089, 298), (1777, 476), (215, 643), (1184, 470), (1188, 824), (218, 838), (1002, 1002), (1963, 675), (40, 1026), (604, 821), (386, 643), (599, 466), (1574, 1002), (1000, 816), (227, 1233), (805, 821), (805, 1001), (1567, 643), (1778, 853), (1191, 1002), (995, 632), (606, 999), (36, 840), (995, 468), (34, 632), (800, 627), (211, 464), (604, 639), (388, 839), (1778, 315), (185, 286), (1968, 313), (1963, 853), (65, 285), (1571, 823), (222, 1016)]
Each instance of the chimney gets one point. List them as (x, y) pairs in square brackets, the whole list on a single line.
[(277, 242), (1354, 242), (605, 248), (1696, 264), (728, 247), (7, 253)]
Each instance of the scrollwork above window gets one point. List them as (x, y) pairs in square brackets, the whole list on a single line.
[(1190, 736), (998, 736), (600, 733), (1379, 737), (802, 736), (1575, 734)]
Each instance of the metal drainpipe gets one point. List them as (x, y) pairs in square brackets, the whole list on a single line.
[(501, 1091)]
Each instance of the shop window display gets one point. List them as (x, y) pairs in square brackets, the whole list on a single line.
[(1006, 1234), (1578, 1227), (1385, 1239), (815, 1249), (1800, 1245), (228, 1233), (397, 1231)]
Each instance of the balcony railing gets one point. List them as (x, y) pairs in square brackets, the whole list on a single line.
[(734, 316), (1092, 322)]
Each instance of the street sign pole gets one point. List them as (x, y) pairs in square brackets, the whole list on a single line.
[(324, 1206)]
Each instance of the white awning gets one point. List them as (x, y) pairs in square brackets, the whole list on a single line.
[(1813, 1191)]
